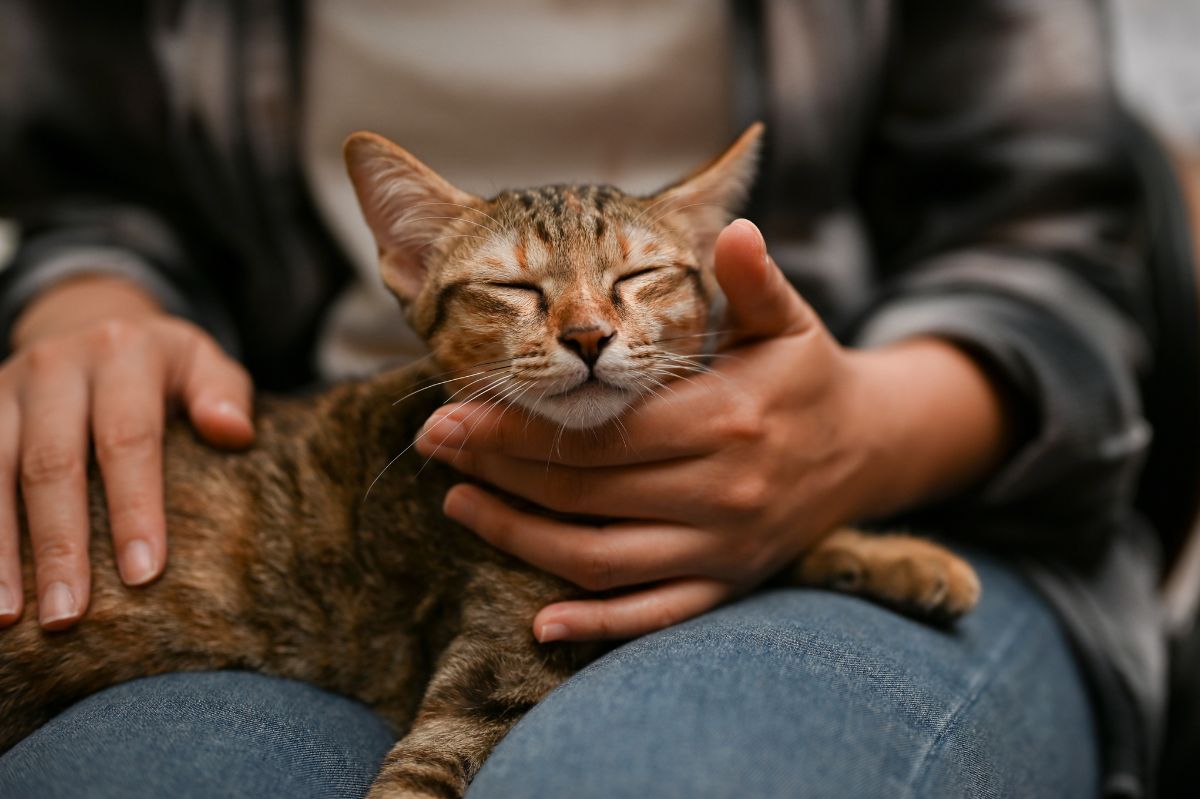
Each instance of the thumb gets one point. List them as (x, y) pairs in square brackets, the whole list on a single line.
[(217, 393), (762, 304)]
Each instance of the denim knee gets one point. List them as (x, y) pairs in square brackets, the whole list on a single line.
[(201, 735), (804, 693)]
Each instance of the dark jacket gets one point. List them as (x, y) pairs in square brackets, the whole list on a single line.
[(943, 168)]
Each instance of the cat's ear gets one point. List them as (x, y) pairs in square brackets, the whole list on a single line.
[(705, 200), (407, 206)]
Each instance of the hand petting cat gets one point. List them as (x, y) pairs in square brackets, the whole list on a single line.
[(720, 481), (93, 360)]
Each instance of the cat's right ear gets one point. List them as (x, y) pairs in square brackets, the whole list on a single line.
[(406, 204)]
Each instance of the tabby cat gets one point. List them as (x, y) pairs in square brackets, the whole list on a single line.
[(561, 299)]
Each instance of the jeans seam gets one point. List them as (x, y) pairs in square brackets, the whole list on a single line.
[(986, 675)]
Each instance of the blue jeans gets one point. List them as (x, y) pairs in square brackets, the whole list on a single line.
[(788, 693)]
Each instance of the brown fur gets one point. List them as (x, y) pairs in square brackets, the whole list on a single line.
[(280, 565)]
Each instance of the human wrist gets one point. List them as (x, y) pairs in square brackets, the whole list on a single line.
[(78, 302), (935, 419)]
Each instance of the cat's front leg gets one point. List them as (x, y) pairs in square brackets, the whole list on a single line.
[(484, 681), (911, 574), (482, 687)]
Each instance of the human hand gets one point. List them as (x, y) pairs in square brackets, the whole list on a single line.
[(96, 359), (729, 476)]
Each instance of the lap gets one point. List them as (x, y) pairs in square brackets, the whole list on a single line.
[(202, 734), (786, 693), (803, 693)]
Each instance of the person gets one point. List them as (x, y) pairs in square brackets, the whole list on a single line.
[(955, 348)]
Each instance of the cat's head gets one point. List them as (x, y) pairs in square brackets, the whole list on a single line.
[(571, 301)]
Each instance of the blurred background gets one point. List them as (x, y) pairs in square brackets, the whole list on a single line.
[(1157, 61)]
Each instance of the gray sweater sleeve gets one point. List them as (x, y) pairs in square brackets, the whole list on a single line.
[(1000, 191), (117, 240), (83, 152)]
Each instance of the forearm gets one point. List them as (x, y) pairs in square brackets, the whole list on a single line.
[(938, 420)]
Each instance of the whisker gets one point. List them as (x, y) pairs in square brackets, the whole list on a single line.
[(667, 213), (449, 380), (466, 368), (672, 198), (490, 375), (452, 236), (468, 207), (504, 400), (689, 336), (623, 432), (456, 218), (415, 441)]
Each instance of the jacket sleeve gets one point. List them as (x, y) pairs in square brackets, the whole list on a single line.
[(83, 162), (1002, 206)]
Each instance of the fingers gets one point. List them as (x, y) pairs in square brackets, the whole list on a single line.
[(594, 558), (127, 428), (217, 393), (598, 559), (631, 615), (11, 594), (54, 412), (655, 491), (651, 434), (762, 304)]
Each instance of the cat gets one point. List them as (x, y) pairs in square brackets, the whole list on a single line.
[(560, 299)]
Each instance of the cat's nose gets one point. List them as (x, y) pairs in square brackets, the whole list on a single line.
[(588, 341)]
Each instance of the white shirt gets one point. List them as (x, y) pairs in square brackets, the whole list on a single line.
[(635, 93)]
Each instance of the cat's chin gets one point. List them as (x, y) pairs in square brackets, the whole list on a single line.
[(589, 405)]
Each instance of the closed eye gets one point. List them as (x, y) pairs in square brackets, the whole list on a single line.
[(517, 286), (639, 273)]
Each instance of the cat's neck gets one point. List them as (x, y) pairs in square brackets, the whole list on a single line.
[(368, 427)]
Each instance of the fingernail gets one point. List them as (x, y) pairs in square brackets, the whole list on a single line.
[(442, 430), (459, 506), (8, 605), (552, 632), (762, 243), (137, 563), (232, 411), (58, 603)]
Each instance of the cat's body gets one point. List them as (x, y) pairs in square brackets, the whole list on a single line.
[(278, 563)]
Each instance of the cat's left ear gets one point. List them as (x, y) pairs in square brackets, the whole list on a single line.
[(407, 205), (708, 198)]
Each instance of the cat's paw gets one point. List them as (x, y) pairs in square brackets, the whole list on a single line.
[(911, 574)]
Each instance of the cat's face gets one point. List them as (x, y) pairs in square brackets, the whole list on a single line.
[(571, 301)]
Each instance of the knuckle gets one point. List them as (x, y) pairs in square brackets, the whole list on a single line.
[(745, 494), (606, 626), (178, 330), (499, 526), (663, 615), (132, 514), (597, 569), (743, 423), (121, 439), (57, 550), (44, 356), (50, 463), (114, 336)]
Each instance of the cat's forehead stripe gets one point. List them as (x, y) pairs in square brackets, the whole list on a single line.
[(519, 254)]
